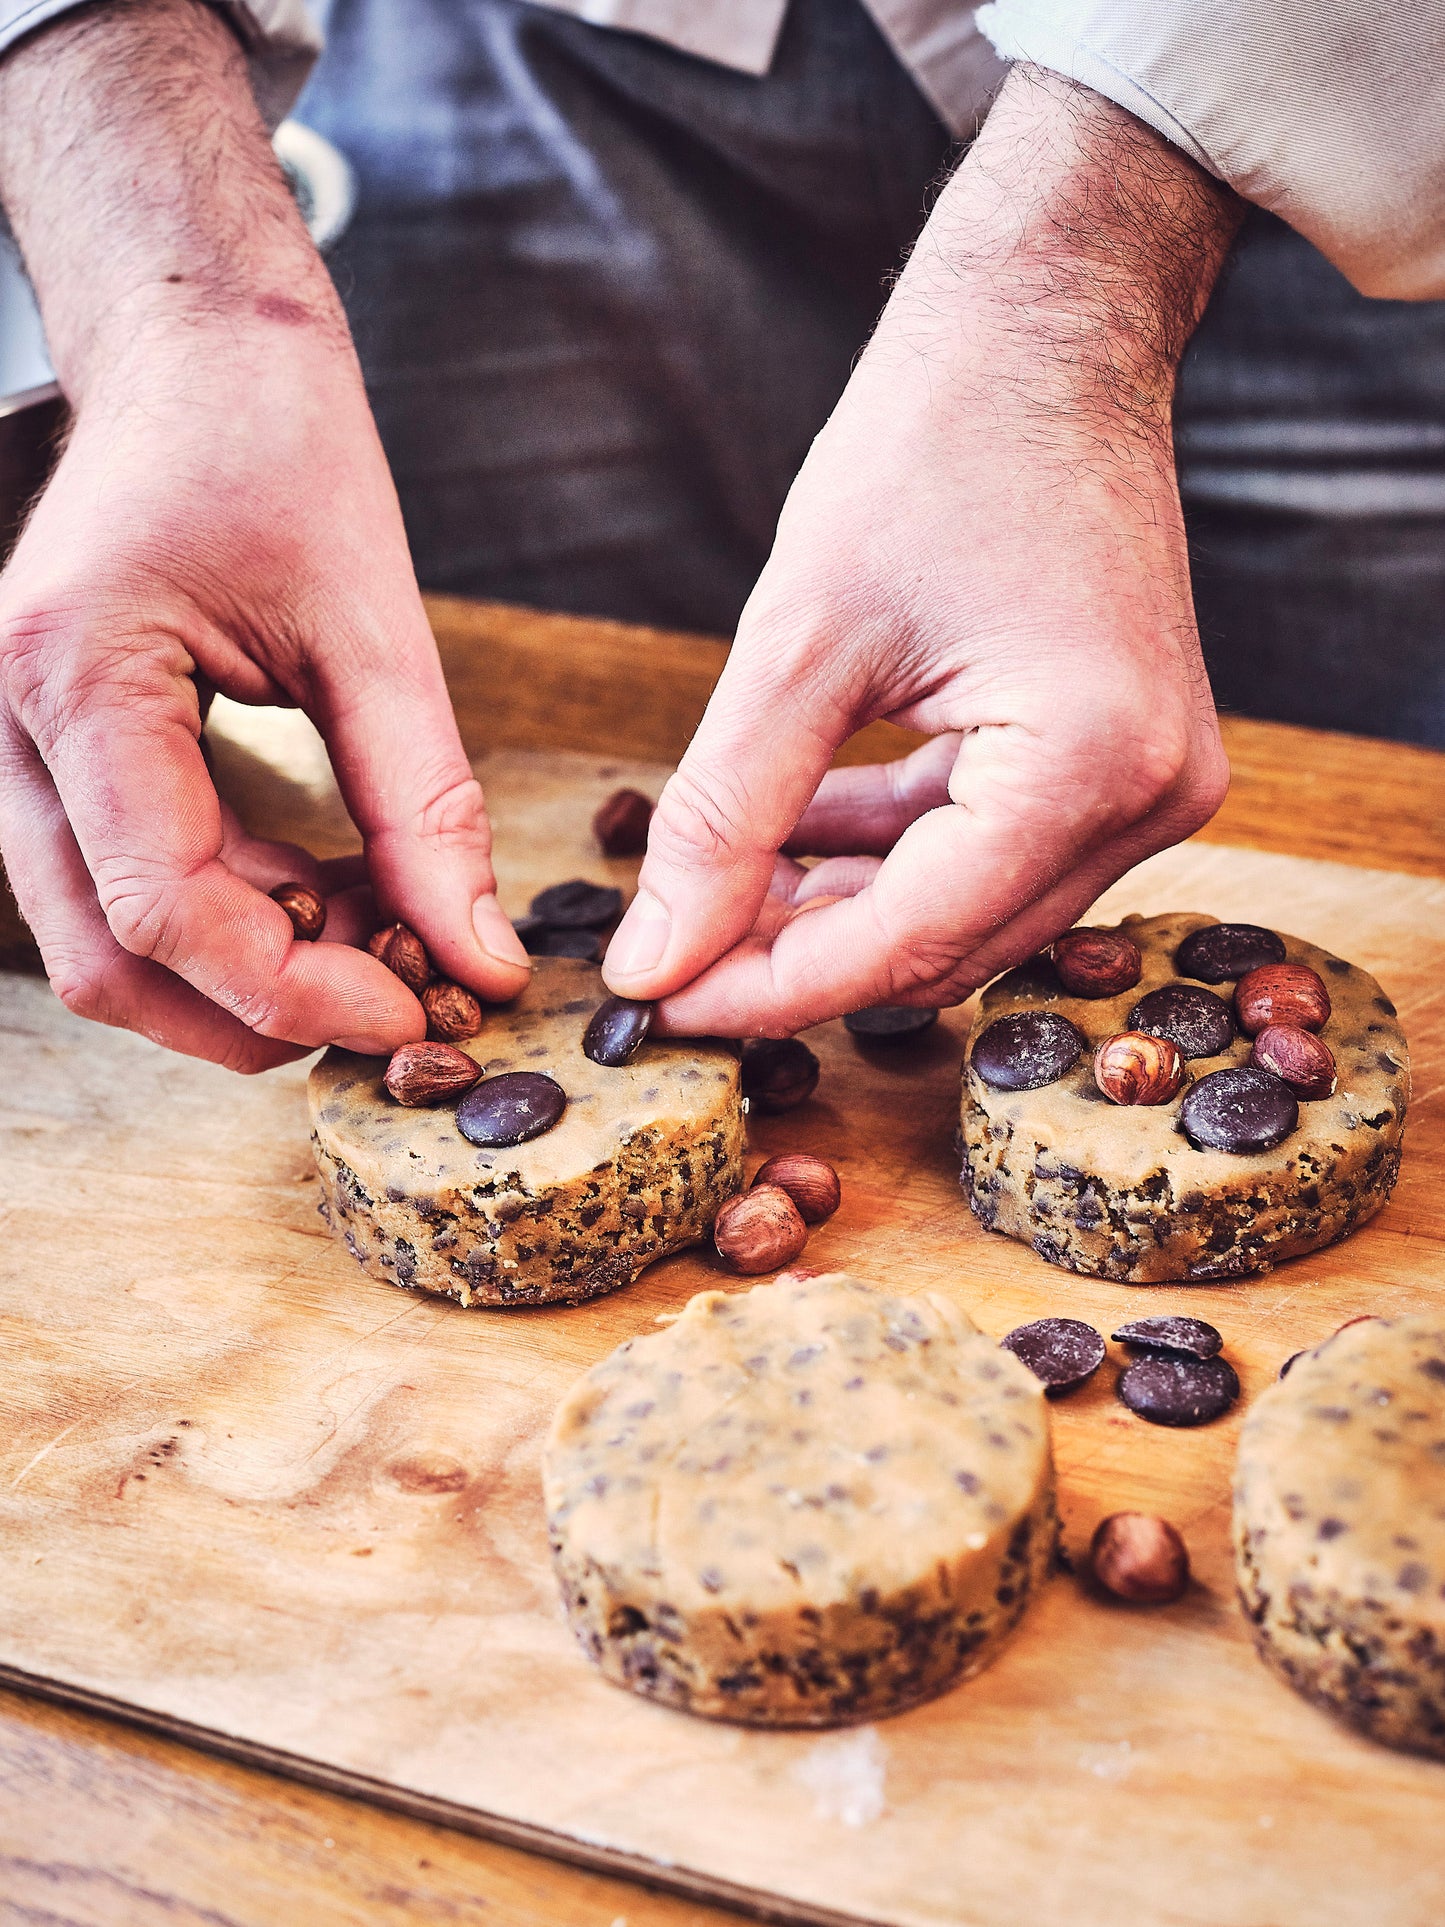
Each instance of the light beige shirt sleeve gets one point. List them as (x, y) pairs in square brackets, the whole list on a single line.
[(1331, 113)]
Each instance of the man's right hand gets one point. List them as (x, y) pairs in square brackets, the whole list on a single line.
[(222, 510)]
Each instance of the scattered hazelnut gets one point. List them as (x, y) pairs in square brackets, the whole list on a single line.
[(778, 1074), (1281, 994), (1304, 1061), (1135, 1068), (759, 1230), (1097, 963), (306, 910), (810, 1182), (620, 825), (1141, 1558), (451, 1012), (430, 1073), (404, 954)]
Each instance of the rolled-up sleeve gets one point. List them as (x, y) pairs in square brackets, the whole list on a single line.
[(1331, 113), (280, 39)]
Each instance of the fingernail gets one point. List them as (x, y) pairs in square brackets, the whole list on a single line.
[(367, 1046), (496, 935), (640, 939)]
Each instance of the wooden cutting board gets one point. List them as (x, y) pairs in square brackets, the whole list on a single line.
[(249, 1497)]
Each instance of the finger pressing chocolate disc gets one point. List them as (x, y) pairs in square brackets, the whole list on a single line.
[(1200, 1023), (577, 905), (889, 1023), (616, 1031), (1165, 1333), (1169, 1390), (1062, 1352), (1239, 1110), (1223, 952), (511, 1108), (1027, 1049)]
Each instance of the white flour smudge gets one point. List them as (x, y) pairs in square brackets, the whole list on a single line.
[(845, 1775)]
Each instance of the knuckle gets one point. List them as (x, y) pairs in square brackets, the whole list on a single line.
[(701, 818), (452, 812), (80, 982)]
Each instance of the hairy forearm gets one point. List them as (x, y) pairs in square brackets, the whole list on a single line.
[(141, 187)]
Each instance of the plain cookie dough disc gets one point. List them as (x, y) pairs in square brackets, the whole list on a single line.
[(644, 1156), (1339, 1528), (1119, 1191), (801, 1505)]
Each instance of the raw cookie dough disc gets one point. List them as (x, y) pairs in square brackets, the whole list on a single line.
[(1118, 1190), (1339, 1528), (801, 1505), (642, 1159)]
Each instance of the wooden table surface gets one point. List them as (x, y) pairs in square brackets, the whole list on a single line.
[(103, 1825)]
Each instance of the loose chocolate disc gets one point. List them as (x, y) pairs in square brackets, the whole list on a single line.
[(1171, 1334), (511, 1108), (1200, 1023), (889, 1023), (1223, 952), (532, 931), (577, 905), (616, 1031), (778, 1074), (1239, 1110), (1179, 1391), (1060, 1351), (1027, 1049), (584, 945)]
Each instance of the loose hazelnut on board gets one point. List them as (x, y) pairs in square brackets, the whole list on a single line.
[(452, 1013), (760, 1230), (811, 1183), (421, 1074), (306, 910), (620, 825), (404, 954), (1304, 1061), (1135, 1068), (778, 1073), (1140, 1558), (1097, 963), (1281, 994)]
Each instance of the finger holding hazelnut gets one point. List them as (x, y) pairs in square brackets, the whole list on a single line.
[(1097, 963), (305, 908), (1137, 1068), (760, 1230), (1141, 1558), (811, 1182), (1304, 1061)]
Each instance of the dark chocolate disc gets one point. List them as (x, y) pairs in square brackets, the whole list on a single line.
[(533, 933), (616, 1031), (1027, 1049), (1239, 1110), (1169, 1390), (1165, 1333), (890, 1023), (1060, 1351), (511, 1108), (1201, 1024), (1222, 952), (584, 945), (577, 905), (778, 1074)]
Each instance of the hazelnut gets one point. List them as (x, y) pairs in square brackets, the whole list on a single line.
[(1281, 994), (620, 825), (758, 1231), (430, 1073), (1138, 1557), (1135, 1068), (1097, 963), (404, 954), (778, 1074), (810, 1182), (451, 1012), (1304, 1061), (306, 910)]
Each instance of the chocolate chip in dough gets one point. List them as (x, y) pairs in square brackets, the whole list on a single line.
[(1239, 1110), (511, 1108), (1062, 1352), (1293, 1359), (1179, 1391), (616, 1031), (577, 905), (889, 1023), (1223, 952), (1166, 1333), (1027, 1049), (584, 945), (1201, 1024)]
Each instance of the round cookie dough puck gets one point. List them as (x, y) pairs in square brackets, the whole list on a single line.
[(803, 1505), (1339, 1527)]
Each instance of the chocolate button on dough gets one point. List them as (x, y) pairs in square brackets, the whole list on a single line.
[(1027, 1049), (510, 1109), (889, 1023), (1171, 1334), (1201, 1024), (577, 905), (1224, 952), (1239, 1110), (1169, 1390), (616, 1031), (1062, 1352)]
